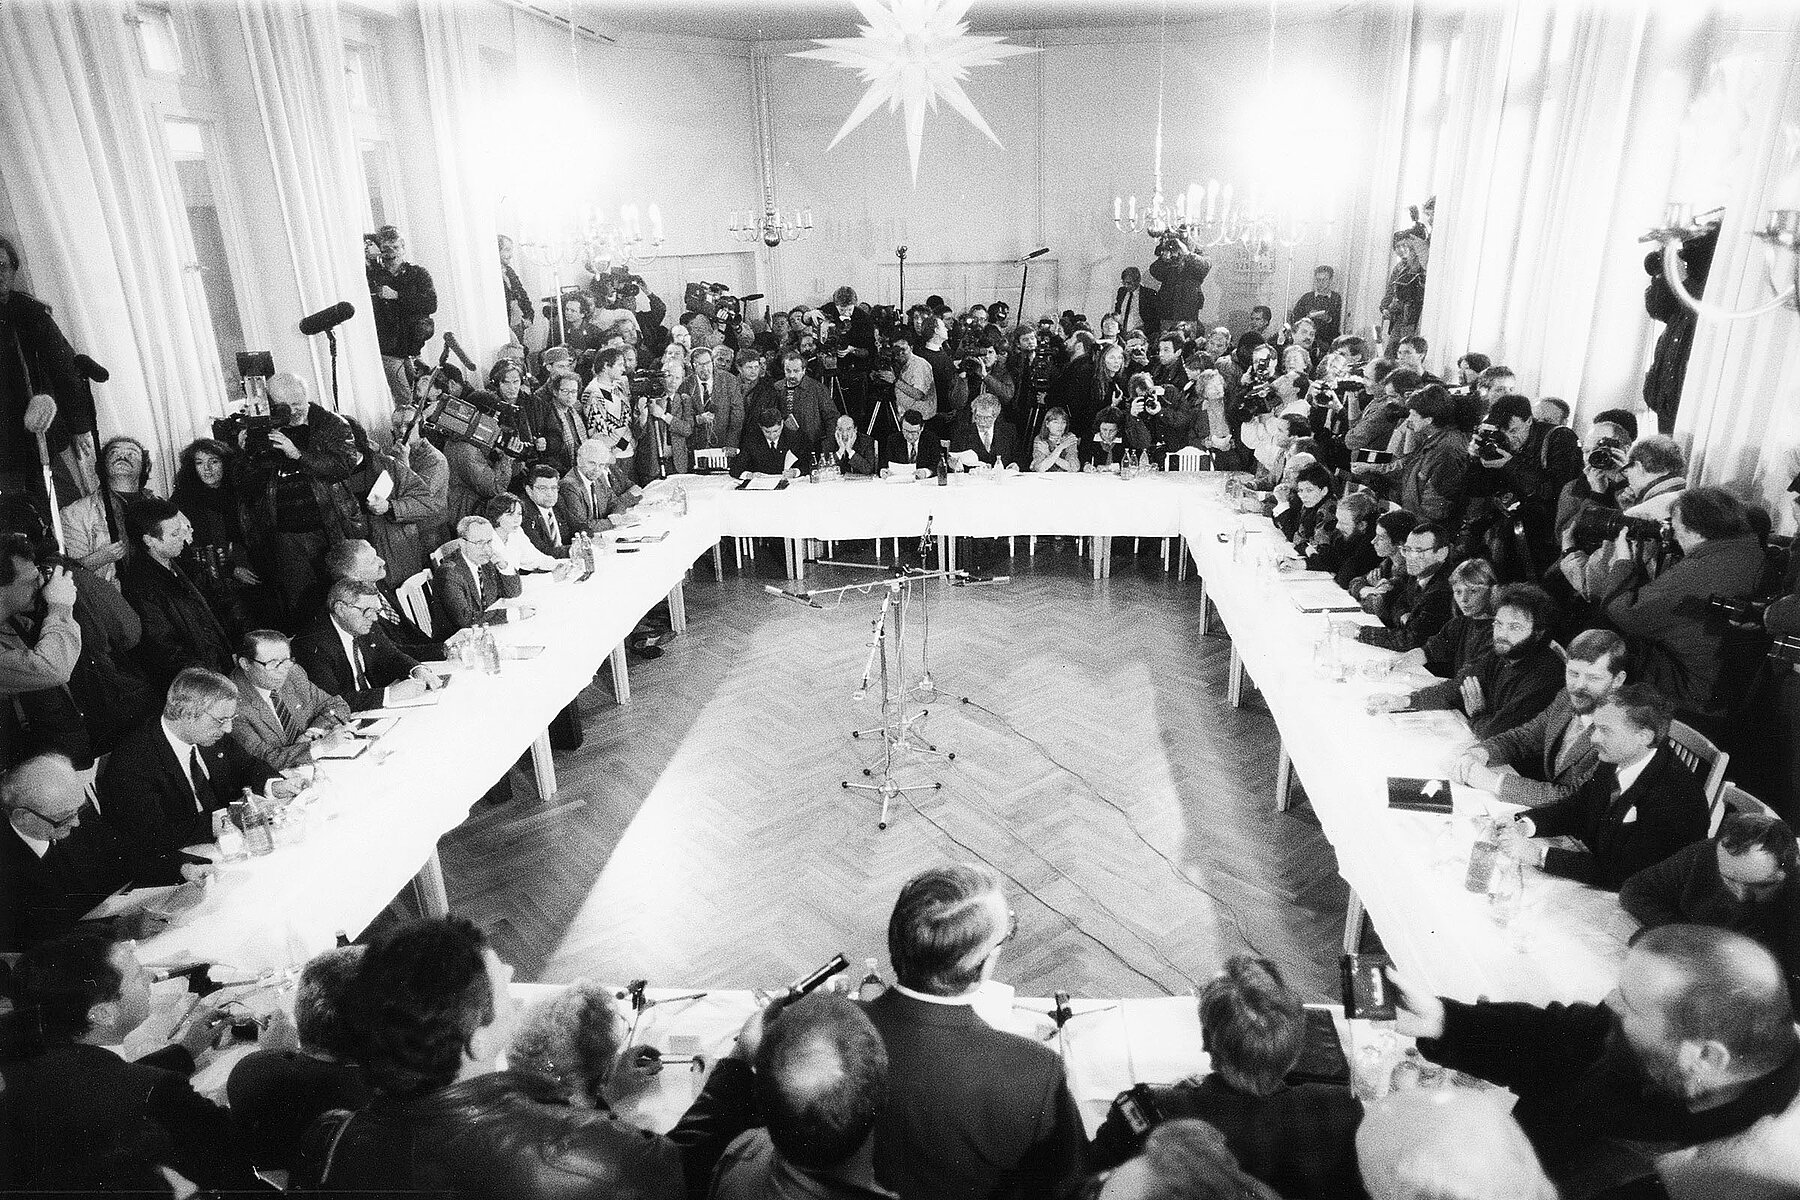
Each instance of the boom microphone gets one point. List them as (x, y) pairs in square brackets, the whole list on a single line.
[(455, 347), (91, 369), (1036, 254), (327, 318)]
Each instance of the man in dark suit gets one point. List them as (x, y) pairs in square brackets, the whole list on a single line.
[(588, 500), (1641, 805), (554, 418), (162, 785), (54, 868), (283, 717), (1322, 306), (985, 440), (1548, 757), (770, 448), (805, 405), (912, 446), (1411, 613), (538, 516), (345, 652), (717, 402), (359, 562), (1133, 303), (180, 629), (468, 581), (76, 1096), (849, 451), (971, 1112)]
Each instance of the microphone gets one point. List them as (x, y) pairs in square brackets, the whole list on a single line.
[(327, 318), (91, 369), (455, 347), (1039, 253), (925, 539), (752, 296), (806, 600)]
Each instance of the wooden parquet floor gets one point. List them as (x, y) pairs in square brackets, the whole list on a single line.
[(701, 835)]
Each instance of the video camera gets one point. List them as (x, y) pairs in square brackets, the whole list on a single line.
[(1608, 454), (259, 415), (477, 418), (646, 383)]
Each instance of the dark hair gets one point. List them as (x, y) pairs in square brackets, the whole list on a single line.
[(1187, 1158), (1397, 524), (539, 471), (187, 474), (1742, 832), (14, 546), (1507, 409), (939, 922), (1315, 474), (1439, 535), (1264, 309), (1432, 402), (821, 1078), (418, 998), (1417, 343), (1476, 361), (1721, 998), (500, 505), (1251, 1024), (608, 357), (1329, 270), (1381, 370), (768, 417), (1624, 418), (1109, 416), (1644, 707), (1404, 380), (1712, 512), (253, 640), (1531, 600), (145, 518), (57, 982), (1593, 645), (319, 1001), (1131, 275)]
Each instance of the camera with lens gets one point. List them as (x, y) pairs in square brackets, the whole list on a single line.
[(646, 382), (1745, 612), (1596, 526), (479, 418), (1046, 361), (1153, 405), (892, 356), (1490, 443), (1608, 454), (255, 428)]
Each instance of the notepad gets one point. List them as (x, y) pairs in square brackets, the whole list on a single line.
[(1321, 595), (762, 483), (366, 726), (1419, 795), (339, 750)]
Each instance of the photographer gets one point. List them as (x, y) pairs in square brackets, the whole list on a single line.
[(1521, 466), (623, 294), (291, 480), (1430, 480), (1602, 475), (403, 297), (662, 423), (1179, 271), (910, 376), (1035, 366), (1654, 475), (477, 474)]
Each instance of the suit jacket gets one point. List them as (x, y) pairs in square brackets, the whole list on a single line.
[(1663, 810), (930, 450), (259, 731), (1328, 327), (276, 1095), (755, 457), (577, 514), (543, 420), (1143, 306), (406, 636), (1685, 889), (1410, 614), (971, 1111), (321, 653), (533, 523), (462, 601), (1003, 452), (812, 408), (725, 402), (180, 629), (863, 458), (1551, 753), (147, 797), (42, 898)]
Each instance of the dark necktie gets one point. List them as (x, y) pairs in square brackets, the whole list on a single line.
[(1125, 313), (550, 526), (284, 714), (205, 800), (358, 675), (593, 501), (572, 431)]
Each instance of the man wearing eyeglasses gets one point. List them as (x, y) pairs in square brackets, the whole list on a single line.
[(971, 1111), (345, 652), (160, 788), (468, 580), (1411, 613), (54, 867), (283, 717)]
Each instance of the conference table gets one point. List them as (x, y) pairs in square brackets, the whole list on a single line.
[(377, 819)]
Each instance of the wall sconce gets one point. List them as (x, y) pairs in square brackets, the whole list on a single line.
[(1780, 237)]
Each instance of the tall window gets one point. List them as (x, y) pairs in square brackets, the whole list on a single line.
[(211, 265)]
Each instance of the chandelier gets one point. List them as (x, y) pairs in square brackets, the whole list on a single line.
[(1780, 235), (771, 226)]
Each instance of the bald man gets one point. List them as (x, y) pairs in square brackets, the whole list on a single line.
[(54, 868), (1694, 1044)]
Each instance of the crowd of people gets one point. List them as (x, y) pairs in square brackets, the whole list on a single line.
[(1574, 594)]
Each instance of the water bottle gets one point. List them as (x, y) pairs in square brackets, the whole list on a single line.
[(489, 652), (871, 985), (258, 837), (681, 500), (228, 836), (943, 470), (1481, 859)]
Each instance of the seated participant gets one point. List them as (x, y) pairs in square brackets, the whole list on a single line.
[(1420, 606), (574, 1038), (1106, 449), (912, 445), (590, 502), (1744, 880), (278, 1092), (1547, 758), (467, 581), (1641, 805), (1300, 1139), (1055, 448), (160, 788), (71, 1091), (359, 562), (1470, 631), (847, 450), (180, 629), (821, 1080), (283, 718), (346, 653), (538, 516), (511, 545), (431, 1013), (1389, 542), (1506, 685), (770, 447), (1351, 553), (984, 440), (1695, 1042), (54, 868), (1432, 1143), (1309, 517), (971, 1111), (1181, 1158)]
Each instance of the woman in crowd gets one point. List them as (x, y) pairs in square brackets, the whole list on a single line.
[(1469, 368), (1470, 630), (1115, 434), (1055, 448), (1310, 519), (94, 526), (1391, 531), (1111, 384), (513, 550), (219, 556), (1351, 554)]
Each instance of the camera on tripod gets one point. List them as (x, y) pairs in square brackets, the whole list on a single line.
[(477, 418), (1608, 454)]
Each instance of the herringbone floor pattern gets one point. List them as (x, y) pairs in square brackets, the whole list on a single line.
[(701, 835)]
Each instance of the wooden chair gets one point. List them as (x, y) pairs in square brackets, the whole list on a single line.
[(1188, 458), (1707, 761), (415, 597), (1736, 799)]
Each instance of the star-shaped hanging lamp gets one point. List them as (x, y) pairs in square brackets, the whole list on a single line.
[(910, 53)]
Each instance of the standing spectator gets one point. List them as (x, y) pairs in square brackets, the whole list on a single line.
[(717, 404), (1520, 474), (42, 390), (805, 406), (519, 314), (1429, 480), (1179, 271), (477, 475), (662, 424), (291, 480), (180, 629), (1133, 304), (1323, 306), (553, 416), (404, 298), (94, 526)]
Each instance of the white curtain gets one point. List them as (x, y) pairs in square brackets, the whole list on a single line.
[(1740, 407), (296, 63), (471, 302), (1387, 55), (100, 221), (1555, 152)]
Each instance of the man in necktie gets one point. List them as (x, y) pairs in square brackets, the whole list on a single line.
[(306, 723), (913, 447), (468, 581), (588, 503), (1130, 301), (543, 488), (346, 652), (180, 629), (718, 403), (770, 448)]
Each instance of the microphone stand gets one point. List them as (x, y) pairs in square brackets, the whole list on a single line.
[(901, 252), (1024, 274), (331, 341)]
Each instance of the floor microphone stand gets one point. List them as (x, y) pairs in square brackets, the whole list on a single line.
[(331, 341)]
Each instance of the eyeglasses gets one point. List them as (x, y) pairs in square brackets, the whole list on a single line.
[(67, 822), (273, 663), (223, 722)]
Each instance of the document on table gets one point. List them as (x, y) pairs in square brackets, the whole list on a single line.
[(153, 899), (765, 483), (1321, 595), (350, 749)]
